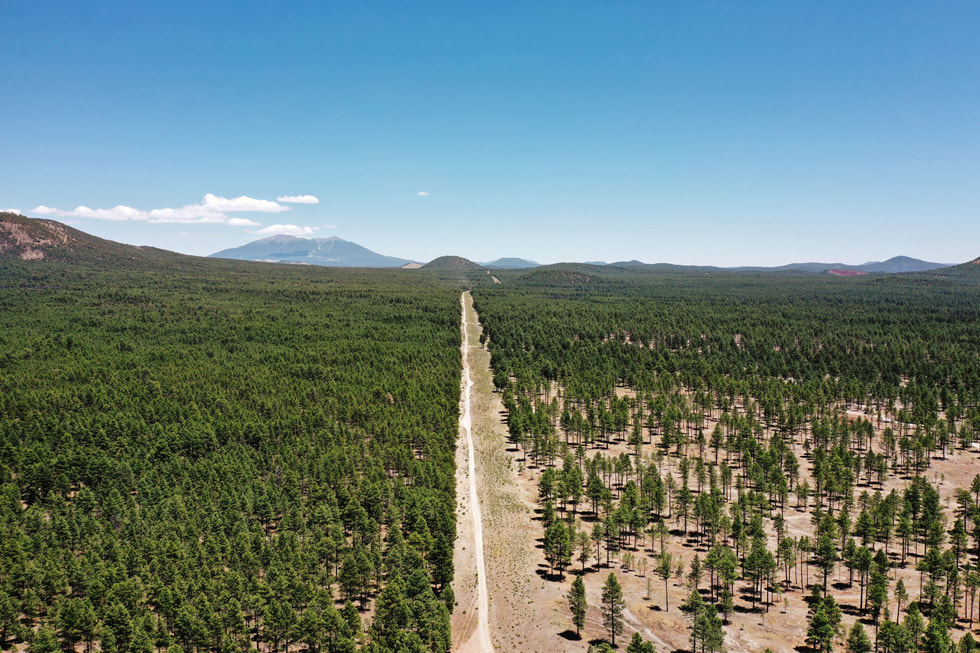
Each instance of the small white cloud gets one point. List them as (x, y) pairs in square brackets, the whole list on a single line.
[(299, 199), (285, 230), (423, 193), (17, 211), (243, 222)]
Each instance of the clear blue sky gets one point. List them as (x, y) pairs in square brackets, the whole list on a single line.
[(687, 132)]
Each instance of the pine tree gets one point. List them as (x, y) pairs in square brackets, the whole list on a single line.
[(640, 645), (824, 624), (577, 603), (664, 569), (857, 640), (612, 607), (937, 638)]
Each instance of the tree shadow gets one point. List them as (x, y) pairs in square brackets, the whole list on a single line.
[(570, 635), (547, 575)]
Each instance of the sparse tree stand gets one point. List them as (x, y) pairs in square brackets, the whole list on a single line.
[(577, 604), (612, 607)]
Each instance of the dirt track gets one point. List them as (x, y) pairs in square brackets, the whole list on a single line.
[(471, 530)]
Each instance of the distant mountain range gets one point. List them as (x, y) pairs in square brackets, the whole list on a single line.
[(893, 265), (36, 239), (332, 252), (337, 252)]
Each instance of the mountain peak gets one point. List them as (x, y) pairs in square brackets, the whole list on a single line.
[(510, 263), (332, 251)]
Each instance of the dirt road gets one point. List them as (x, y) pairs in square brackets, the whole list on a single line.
[(471, 530)]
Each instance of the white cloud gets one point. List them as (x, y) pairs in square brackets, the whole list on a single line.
[(213, 209), (243, 222), (118, 213), (17, 211), (285, 230), (423, 193), (299, 199), (210, 210), (243, 203)]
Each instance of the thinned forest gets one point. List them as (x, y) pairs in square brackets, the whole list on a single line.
[(748, 461), (202, 455)]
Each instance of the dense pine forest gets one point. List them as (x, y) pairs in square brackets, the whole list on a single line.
[(213, 456), (752, 443)]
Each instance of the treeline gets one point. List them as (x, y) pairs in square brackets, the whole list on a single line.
[(226, 456), (676, 424)]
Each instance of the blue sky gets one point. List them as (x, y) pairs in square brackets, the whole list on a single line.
[(685, 132)]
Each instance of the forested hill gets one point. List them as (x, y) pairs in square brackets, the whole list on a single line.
[(451, 263), (967, 272), (31, 239), (225, 456)]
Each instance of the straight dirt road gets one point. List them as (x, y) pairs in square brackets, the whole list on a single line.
[(471, 530), (521, 610)]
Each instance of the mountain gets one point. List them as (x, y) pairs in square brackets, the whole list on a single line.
[(34, 239), (510, 264), (899, 264), (893, 265), (451, 263), (333, 252)]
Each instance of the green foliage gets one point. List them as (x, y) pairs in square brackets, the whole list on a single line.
[(937, 638), (824, 624), (192, 453), (639, 645), (894, 638), (857, 639), (577, 603)]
